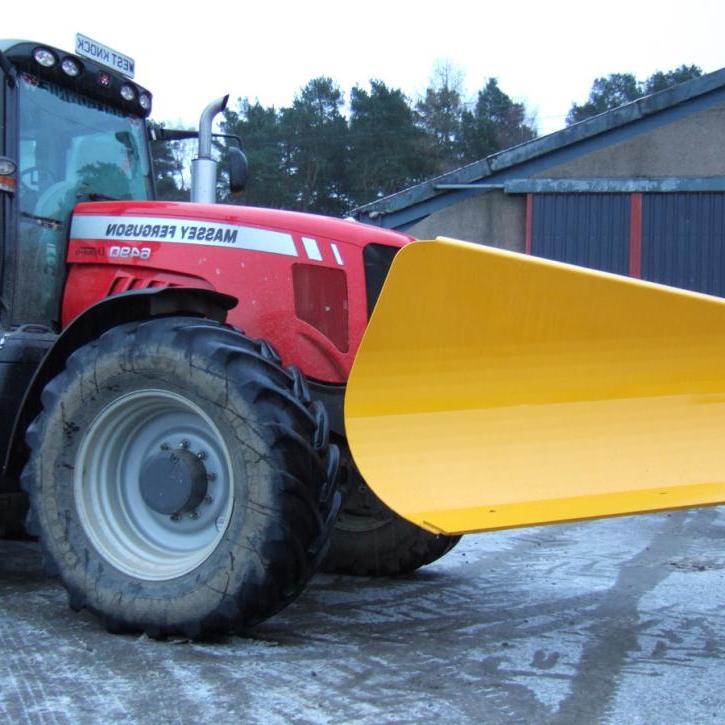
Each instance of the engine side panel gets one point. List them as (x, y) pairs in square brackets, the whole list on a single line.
[(299, 279)]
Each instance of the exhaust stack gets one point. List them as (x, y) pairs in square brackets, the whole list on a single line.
[(203, 168)]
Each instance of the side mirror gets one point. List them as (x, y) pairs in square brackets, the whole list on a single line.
[(238, 170)]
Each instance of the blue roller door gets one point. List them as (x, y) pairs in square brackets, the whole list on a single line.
[(683, 240), (591, 230)]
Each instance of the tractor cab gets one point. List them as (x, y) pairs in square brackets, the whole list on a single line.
[(75, 132)]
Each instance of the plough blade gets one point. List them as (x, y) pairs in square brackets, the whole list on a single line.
[(496, 390)]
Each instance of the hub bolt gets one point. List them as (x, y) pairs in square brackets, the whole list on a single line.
[(194, 515), (165, 446), (175, 518), (201, 455), (208, 499), (184, 444), (211, 476)]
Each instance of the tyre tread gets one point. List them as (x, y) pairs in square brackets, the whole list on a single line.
[(295, 431), (395, 548)]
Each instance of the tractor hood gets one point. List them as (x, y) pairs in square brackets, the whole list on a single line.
[(216, 224)]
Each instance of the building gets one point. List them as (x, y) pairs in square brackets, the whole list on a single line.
[(638, 190)]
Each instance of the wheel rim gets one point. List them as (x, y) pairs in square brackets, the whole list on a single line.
[(127, 532)]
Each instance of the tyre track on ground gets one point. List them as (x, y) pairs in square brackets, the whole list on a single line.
[(618, 623)]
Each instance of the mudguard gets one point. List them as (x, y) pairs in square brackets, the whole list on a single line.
[(496, 390)]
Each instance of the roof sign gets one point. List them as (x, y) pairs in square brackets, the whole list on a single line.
[(87, 48)]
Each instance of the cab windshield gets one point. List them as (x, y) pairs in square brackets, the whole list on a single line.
[(71, 148)]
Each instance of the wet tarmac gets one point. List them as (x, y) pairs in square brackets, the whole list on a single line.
[(614, 621)]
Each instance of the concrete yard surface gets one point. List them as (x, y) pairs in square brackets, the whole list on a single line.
[(613, 621)]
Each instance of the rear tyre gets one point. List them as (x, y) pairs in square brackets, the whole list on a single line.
[(180, 480), (369, 539)]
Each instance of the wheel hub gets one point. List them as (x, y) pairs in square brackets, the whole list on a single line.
[(154, 484), (173, 482)]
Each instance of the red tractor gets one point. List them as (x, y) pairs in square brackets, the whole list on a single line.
[(182, 474)]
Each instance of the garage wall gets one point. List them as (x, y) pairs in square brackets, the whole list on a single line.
[(492, 218), (691, 146), (676, 238)]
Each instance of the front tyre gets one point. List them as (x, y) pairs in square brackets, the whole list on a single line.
[(180, 478)]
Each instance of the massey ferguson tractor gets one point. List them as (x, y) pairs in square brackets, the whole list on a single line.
[(172, 376), (183, 474)]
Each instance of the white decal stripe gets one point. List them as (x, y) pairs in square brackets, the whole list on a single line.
[(311, 248), (181, 231), (338, 256)]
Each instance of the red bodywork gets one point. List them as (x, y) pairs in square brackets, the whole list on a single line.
[(299, 278)]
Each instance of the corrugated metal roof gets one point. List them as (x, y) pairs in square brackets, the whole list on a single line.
[(503, 161)]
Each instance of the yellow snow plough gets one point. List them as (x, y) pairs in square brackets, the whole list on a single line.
[(496, 390)]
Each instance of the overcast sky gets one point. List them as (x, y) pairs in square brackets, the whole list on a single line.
[(544, 53)]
